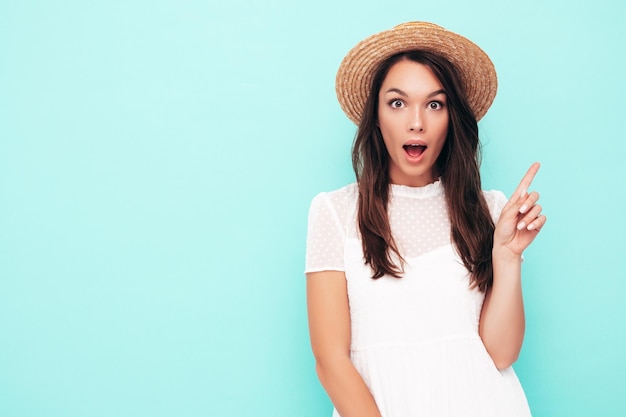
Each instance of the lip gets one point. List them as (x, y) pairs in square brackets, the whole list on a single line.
[(415, 142)]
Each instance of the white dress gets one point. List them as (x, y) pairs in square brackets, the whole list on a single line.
[(415, 339)]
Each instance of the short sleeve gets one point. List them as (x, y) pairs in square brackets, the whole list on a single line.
[(325, 237), (496, 200)]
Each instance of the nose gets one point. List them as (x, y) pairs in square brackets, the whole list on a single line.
[(416, 121)]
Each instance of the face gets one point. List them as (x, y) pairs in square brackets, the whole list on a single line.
[(413, 120)]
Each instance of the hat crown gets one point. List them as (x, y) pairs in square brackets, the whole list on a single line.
[(416, 24)]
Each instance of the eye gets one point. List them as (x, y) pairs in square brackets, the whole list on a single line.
[(396, 103), (435, 105)]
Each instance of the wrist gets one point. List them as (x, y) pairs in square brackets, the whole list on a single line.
[(503, 254)]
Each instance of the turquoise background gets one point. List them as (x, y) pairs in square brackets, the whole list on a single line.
[(157, 161)]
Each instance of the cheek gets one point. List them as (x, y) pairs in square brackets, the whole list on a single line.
[(387, 137), (444, 130), (387, 126), (443, 126), (381, 123)]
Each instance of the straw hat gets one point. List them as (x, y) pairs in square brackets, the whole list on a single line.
[(354, 77)]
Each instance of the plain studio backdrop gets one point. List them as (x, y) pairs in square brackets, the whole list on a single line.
[(158, 158)]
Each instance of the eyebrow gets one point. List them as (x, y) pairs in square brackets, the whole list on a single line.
[(403, 94)]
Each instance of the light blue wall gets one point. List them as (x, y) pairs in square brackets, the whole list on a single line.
[(157, 159)]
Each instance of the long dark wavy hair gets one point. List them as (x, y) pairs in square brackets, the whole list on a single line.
[(458, 165)]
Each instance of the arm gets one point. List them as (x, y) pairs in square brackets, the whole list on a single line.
[(502, 320), (329, 328)]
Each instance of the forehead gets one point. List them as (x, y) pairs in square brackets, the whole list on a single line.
[(410, 76)]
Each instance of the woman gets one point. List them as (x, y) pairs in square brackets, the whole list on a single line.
[(413, 273)]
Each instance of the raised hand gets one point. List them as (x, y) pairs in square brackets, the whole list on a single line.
[(521, 218)]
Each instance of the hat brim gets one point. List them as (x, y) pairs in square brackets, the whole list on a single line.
[(354, 77)]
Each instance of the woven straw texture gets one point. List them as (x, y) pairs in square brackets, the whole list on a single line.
[(355, 73)]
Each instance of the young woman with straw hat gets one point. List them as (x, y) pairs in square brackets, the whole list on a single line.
[(413, 272)]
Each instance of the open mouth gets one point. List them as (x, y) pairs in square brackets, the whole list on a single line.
[(414, 150)]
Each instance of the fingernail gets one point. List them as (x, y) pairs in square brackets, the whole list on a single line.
[(521, 225), (523, 209), (531, 226)]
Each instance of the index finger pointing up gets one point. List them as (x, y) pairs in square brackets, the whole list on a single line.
[(522, 188)]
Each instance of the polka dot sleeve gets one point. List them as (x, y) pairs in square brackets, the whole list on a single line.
[(496, 201), (325, 237)]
